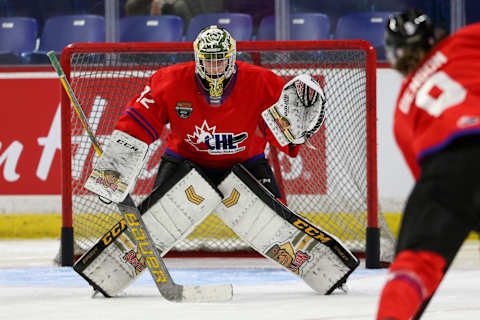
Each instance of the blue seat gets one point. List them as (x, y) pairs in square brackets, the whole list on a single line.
[(151, 28), (368, 26), (17, 35), (41, 10), (240, 25), (60, 31), (303, 26), (334, 9)]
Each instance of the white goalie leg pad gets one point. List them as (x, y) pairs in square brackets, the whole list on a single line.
[(170, 213), (115, 173), (180, 209), (282, 236), (113, 263)]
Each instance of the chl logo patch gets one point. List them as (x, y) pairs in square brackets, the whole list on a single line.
[(136, 260), (205, 139), (184, 109)]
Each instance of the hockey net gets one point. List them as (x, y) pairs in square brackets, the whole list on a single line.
[(333, 186)]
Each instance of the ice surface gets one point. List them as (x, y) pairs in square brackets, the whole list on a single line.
[(31, 287)]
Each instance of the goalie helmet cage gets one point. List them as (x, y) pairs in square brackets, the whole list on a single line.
[(333, 186)]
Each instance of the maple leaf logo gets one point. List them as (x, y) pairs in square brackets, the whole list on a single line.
[(205, 139), (199, 139)]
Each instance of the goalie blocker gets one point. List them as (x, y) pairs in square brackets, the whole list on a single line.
[(276, 232), (114, 174), (170, 213)]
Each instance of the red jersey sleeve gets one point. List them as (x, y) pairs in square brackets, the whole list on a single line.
[(145, 115)]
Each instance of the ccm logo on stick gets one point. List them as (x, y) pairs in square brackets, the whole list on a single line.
[(114, 232)]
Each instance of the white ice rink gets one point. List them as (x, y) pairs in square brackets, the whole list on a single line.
[(31, 287)]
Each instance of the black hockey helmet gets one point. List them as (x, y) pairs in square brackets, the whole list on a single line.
[(408, 31)]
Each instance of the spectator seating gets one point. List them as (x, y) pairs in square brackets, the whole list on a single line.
[(368, 26), (40, 10), (151, 28), (334, 9), (303, 26), (240, 25), (60, 31), (17, 35)]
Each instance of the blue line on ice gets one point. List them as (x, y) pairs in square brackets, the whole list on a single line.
[(67, 277)]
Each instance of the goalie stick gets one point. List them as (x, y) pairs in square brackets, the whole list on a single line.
[(160, 274)]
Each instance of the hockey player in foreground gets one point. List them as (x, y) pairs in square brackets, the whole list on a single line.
[(221, 112), (437, 127)]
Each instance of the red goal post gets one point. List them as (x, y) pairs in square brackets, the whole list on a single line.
[(334, 186)]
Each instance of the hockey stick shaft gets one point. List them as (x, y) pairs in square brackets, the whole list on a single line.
[(76, 105), (147, 247), (163, 280)]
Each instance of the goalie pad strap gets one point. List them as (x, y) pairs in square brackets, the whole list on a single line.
[(280, 235), (114, 174), (170, 213)]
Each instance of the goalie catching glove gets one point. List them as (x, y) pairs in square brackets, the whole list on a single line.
[(299, 113)]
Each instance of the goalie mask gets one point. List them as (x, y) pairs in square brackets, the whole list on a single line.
[(215, 54)]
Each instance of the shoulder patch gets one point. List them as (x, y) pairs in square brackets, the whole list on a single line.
[(184, 109)]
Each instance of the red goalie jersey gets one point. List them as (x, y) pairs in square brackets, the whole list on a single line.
[(440, 101), (213, 136)]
